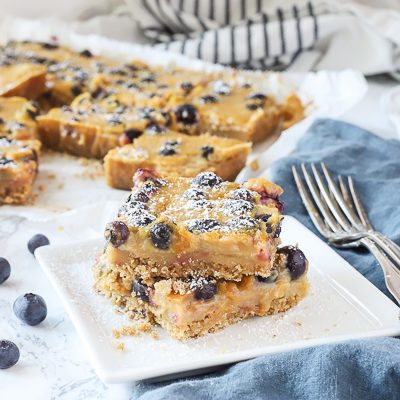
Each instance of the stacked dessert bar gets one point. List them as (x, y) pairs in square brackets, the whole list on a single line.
[(197, 254)]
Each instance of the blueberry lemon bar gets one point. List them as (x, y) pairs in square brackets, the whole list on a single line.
[(18, 169), (176, 154), (195, 255), (91, 130)]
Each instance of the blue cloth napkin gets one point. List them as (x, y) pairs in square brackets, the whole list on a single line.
[(356, 369)]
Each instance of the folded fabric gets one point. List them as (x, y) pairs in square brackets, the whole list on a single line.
[(356, 369)]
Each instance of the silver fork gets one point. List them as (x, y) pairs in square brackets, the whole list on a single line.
[(348, 229)]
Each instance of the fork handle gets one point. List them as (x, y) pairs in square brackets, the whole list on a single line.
[(390, 247), (390, 272)]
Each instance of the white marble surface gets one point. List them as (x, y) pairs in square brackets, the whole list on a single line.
[(53, 364)]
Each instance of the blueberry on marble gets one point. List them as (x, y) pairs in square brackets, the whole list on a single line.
[(30, 308), (242, 222), (203, 225), (116, 233), (296, 261), (237, 207), (206, 150), (5, 270), (141, 291), (36, 241), (208, 99), (9, 354), (194, 194), (160, 235), (242, 194), (187, 114), (206, 179), (270, 279), (205, 292)]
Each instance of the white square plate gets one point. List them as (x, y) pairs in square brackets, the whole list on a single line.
[(342, 305)]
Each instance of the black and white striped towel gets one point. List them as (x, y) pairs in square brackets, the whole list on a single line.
[(271, 34)]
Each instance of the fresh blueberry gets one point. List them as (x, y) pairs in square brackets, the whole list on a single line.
[(36, 241), (116, 233), (206, 150), (141, 291), (207, 179), (194, 194), (9, 354), (221, 87), (76, 90), (203, 225), (131, 134), (140, 220), (187, 114), (208, 99), (86, 53), (242, 222), (167, 151), (296, 261), (50, 46), (242, 194), (131, 207), (256, 96), (237, 207), (277, 231), (5, 270), (271, 279), (154, 128), (252, 106), (205, 292), (187, 87), (30, 308), (160, 235)]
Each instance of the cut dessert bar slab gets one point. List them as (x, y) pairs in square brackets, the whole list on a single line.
[(180, 227), (18, 118), (195, 307), (23, 80), (18, 169), (91, 130), (176, 154)]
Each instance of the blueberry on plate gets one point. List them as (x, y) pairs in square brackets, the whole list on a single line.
[(206, 179), (205, 292), (5, 270), (296, 261), (160, 235), (36, 241), (116, 233), (30, 308), (9, 354)]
